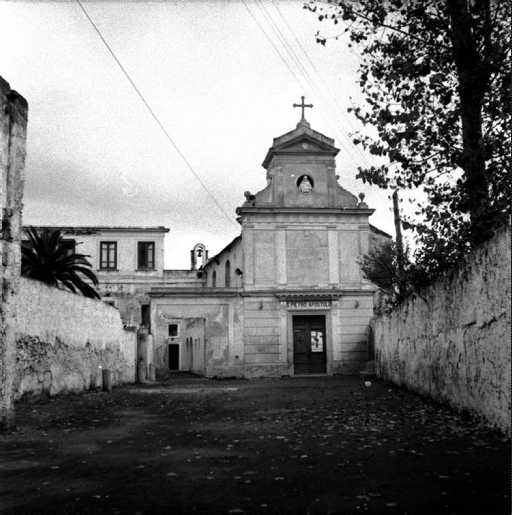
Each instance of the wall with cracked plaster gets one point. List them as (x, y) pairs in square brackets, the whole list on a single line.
[(451, 341), (64, 341), (13, 135)]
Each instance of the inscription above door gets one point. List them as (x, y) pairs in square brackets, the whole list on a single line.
[(308, 304)]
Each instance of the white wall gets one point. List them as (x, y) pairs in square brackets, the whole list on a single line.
[(64, 341), (452, 340)]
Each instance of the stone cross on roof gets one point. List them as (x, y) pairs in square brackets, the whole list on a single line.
[(303, 105)]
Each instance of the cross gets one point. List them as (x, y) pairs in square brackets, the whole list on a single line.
[(303, 105)]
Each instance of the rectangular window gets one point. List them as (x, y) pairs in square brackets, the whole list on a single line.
[(145, 316), (108, 255), (174, 330), (72, 250), (146, 255)]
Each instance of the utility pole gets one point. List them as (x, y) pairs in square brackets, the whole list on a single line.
[(399, 247)]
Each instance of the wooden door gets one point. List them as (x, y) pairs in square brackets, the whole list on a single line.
[(309, 356)]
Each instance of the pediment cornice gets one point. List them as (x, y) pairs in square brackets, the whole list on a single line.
[(301, 141)]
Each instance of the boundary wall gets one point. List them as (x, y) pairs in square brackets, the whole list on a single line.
[(451, 341), (65, 341)]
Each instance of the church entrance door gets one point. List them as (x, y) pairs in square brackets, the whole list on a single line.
[(309, 341)]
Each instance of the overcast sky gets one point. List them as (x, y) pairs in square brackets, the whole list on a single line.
[(221, 78)]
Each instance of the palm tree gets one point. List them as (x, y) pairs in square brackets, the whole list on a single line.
[(50, 259)]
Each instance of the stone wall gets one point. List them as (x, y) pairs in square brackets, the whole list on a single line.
[(451, 341), (13, 133), (64, 341)]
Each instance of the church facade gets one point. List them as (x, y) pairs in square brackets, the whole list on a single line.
[(287, 296)]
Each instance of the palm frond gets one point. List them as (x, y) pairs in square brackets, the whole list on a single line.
[(50, 259)]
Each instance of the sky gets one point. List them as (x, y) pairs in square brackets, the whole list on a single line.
[(163, 113)]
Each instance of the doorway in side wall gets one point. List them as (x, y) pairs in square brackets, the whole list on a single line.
[(174, 356), (309, 341), (145, 316)]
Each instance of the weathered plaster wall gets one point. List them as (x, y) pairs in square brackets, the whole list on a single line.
[(350, 327), (13, 132), (452, 340), (222, 343), (65, 340), (265, 345), (233, 254), (193, 349), (128, 297)]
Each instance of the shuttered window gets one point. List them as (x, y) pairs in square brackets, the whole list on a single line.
[(146, 255), (108, 255)]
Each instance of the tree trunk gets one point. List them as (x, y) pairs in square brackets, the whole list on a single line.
[(473, 74), (399, 249)]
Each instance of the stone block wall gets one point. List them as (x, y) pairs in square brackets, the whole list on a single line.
[(451, 341), (64, 341)]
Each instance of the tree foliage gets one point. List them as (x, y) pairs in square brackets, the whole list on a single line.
[(50, 259), (379, 266), (437, 83)]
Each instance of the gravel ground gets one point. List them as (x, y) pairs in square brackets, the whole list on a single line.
[(299, 445)]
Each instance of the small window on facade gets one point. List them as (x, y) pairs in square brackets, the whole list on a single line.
[(146, 255), (72, 249), (214, 279), (174, 330), (145, 316), (227, 275), (108, 255)]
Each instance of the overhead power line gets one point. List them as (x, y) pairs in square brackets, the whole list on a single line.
[(155, 117), (292, 57)]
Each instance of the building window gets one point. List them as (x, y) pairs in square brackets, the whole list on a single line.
[(227, 275), (72, 248), (174, 330), (145, 316), (146, 255), (214, 279), (108, 255)]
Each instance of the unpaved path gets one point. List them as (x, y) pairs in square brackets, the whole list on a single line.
[(301, 445)]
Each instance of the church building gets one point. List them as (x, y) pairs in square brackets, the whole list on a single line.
[(287, 296)]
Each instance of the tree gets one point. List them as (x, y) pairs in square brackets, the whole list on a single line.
[(436, 76), (50, 259), (379, 266)]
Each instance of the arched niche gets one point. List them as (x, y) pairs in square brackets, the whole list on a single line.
[(198, 256)]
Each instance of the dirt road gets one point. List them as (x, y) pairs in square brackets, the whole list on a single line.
[(301, 445)]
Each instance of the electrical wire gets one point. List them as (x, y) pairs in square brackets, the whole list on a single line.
[(156, 118), (305, 74)]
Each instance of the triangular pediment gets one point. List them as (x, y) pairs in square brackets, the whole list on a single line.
[(301, 141), (305, 143)]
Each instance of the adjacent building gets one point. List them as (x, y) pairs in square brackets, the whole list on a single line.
[(128, 262)]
